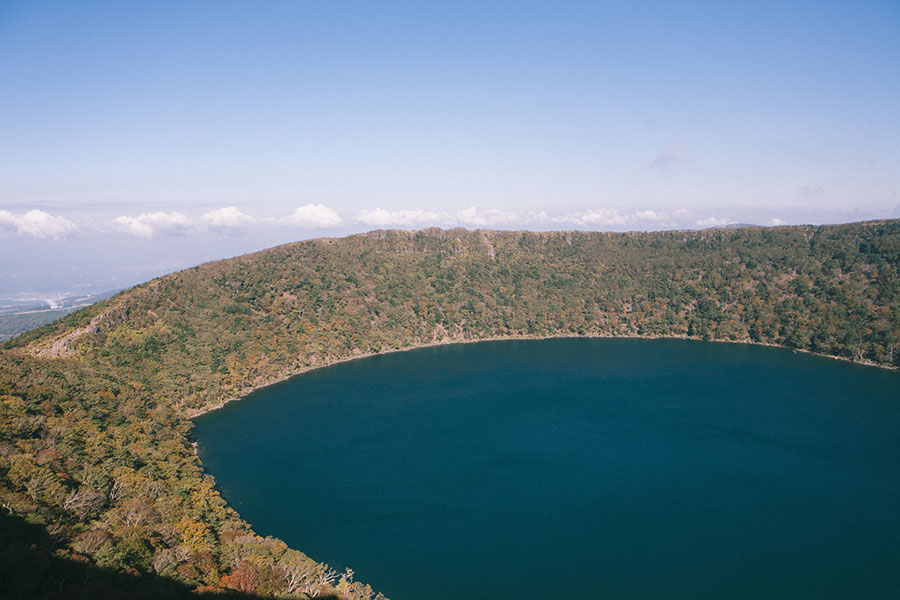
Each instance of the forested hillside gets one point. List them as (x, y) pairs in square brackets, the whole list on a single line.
[(94, 408)]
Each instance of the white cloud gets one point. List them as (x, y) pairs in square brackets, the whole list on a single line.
[(545, 217), (491, 216), (601, 216), (681, 212), (227, 219), (148, 225), (776, 221), (712, 222), (592, 217), (37, 223), (313, 215), (649, 215), (381, 217)]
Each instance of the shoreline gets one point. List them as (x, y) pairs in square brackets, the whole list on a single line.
[(500, 338)]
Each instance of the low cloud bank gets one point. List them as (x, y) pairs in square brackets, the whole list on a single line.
[(311, 218), (149, 225), (229, 220), (472, 217), (37, 223)]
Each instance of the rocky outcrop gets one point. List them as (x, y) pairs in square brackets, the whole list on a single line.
[(67, 344)]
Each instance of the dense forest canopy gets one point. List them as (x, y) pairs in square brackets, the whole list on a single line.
[(95, 408)]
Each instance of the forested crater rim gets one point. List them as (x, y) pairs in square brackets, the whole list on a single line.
[(604, 257), (110, 388)]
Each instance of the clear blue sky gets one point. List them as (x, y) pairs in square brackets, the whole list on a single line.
[(175, 132)]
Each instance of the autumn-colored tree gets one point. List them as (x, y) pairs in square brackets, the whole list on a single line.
[(243, 578)]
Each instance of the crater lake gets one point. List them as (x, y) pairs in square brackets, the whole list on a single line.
[(579, 469)]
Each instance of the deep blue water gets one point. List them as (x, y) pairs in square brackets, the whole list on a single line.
[(578, 469)]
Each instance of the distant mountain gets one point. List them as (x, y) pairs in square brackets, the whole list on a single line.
[(94, 406)]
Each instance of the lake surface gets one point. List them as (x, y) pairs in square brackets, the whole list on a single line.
[(577, 469)]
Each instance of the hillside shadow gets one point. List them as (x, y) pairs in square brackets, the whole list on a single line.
[(29, 570)]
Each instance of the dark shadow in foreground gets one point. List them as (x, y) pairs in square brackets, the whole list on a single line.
[(29, 570)]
